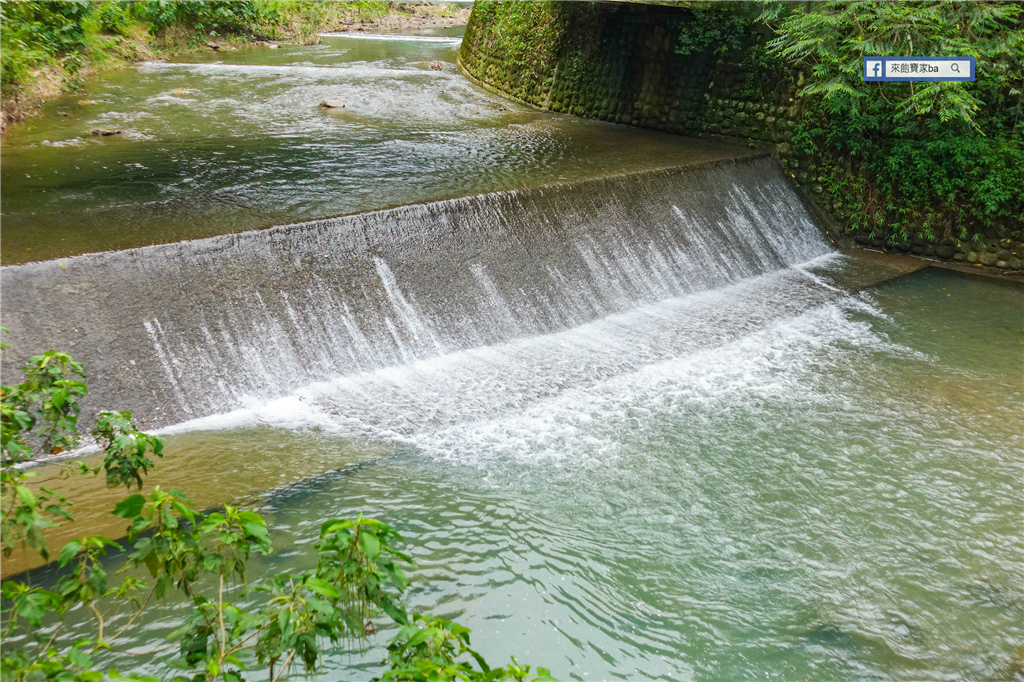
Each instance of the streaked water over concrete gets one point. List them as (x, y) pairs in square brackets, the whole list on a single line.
[(185, 330)]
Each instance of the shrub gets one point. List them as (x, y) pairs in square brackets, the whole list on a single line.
[(113, 16), (218, 16), (717, 29), (35, 33), (927, 159)]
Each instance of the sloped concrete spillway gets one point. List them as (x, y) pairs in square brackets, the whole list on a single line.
[(186, 330)]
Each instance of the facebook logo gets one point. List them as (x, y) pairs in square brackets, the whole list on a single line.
[(919, 68)]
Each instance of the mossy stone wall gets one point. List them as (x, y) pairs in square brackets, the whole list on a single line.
[(617, 62)]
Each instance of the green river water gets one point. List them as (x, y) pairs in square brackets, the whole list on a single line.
[(836, 496), (831, 495), (226, 142)]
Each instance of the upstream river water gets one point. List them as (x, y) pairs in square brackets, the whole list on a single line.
[(828, 490), (226, 142)]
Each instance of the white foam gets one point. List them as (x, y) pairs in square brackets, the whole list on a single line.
[(547, 396), (585, 425)]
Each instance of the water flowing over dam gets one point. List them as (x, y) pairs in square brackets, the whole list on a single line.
[(633, 414), (191, 329)]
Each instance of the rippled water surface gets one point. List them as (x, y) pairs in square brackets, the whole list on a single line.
[(829, 493), (231, 141), (777, 478)]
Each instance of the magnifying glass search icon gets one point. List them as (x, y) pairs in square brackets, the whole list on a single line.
[(954, 67)]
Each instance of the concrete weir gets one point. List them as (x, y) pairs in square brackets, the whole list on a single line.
[(185, 330)]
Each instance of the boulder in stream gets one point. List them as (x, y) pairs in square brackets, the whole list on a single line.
[(332, 104), (105, 132)]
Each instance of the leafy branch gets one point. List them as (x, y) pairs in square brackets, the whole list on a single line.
[(357, 577)]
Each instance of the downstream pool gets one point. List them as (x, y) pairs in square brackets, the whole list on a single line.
[(833, 495)]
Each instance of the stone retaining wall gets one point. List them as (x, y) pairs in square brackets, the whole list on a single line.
[(617, 62), (1005, 254)]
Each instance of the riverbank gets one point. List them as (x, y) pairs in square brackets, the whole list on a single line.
[(417, 18), (42, 84), (38, 66)]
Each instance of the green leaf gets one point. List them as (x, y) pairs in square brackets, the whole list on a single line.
[(256, 530), (322, 587), (26, 495), (79, 658), (331, 526), (68, 552), (194, 645), (371, 544), (395, 610), (480, 661), (130, 507), (420, 637)]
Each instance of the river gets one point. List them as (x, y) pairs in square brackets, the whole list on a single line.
[(809, 470)]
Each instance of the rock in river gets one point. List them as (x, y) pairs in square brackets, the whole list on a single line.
[(332, 104)]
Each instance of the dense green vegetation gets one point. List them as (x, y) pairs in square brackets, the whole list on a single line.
[(716, 29), (928, 159), (228, 630), (68, 35), (45, 43), (899, 161), (527, 33)]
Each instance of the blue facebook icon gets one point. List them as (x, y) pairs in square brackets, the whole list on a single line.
[(873, 68)]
